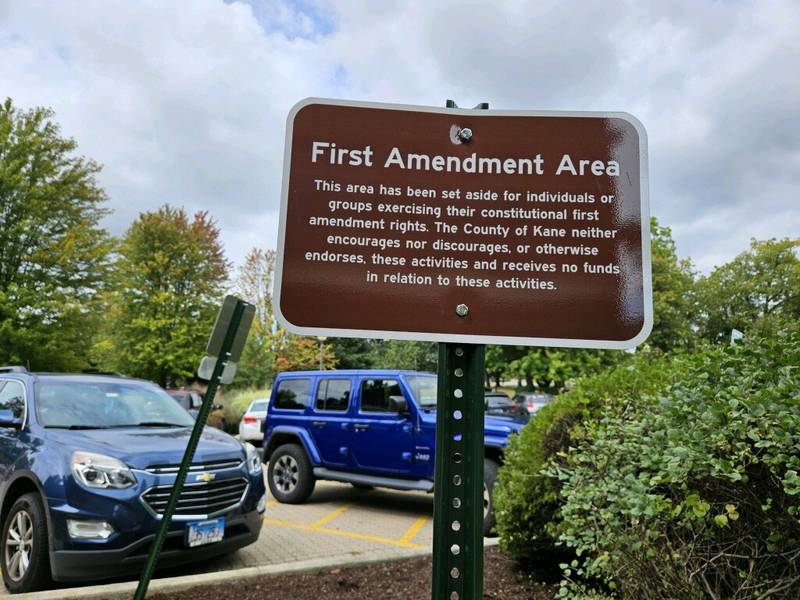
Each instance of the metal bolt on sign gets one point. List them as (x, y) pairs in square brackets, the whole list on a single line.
[(458, 481)]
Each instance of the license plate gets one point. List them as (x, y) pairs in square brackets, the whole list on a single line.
[(205, 532)]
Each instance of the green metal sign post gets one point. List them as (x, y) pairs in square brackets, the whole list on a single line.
[(227, 340), (458, 486)]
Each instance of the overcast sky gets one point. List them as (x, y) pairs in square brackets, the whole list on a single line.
[(185, 102)]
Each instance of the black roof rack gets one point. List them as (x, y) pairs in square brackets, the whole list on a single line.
[(13, 369)]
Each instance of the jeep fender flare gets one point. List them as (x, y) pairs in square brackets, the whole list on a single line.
[(285, 434)]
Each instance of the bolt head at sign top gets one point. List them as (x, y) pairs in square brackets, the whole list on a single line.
[(530, 229)]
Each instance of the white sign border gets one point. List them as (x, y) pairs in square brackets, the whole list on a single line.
[(465, 338)]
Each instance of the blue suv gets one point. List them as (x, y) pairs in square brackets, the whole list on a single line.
[(367, 428), (87, 463)]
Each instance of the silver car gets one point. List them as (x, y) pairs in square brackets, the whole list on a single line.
[(251, 426)]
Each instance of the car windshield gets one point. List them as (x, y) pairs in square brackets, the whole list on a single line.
[(423, 388), (102, 404), (259, 406)]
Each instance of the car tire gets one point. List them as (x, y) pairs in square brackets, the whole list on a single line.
[(290, 476), (490, 469), (25, 538)]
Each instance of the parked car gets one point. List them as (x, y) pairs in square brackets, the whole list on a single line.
[(530, 402), (498, 404), (367, 428), (251, 427), (87, 463), (191, 400)]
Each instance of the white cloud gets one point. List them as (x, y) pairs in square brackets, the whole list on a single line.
[(185, 102)]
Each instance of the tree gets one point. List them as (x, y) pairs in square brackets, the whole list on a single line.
[(759, 289), (254, 284), (673, 292), (168, 282), (353, 353), (53, 251), (299, 353), (398, 354), (555, 368)]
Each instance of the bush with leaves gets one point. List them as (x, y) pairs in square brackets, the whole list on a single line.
[(527, 502), (692, 492)]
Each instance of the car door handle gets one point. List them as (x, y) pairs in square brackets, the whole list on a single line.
[(319, 423), (360, 426)]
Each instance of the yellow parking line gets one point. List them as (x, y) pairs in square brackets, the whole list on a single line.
[(345, 534), (412, 531), (330, 517), (271, 503)]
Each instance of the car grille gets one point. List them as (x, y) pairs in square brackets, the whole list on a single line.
[(203, 498), (209, 466)]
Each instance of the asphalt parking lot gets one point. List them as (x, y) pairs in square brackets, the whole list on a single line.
[(337, 521)]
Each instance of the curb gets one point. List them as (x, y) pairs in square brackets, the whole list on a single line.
[(119, 591)]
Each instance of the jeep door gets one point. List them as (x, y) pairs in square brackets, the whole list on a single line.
[(383, 439), (330, 422)]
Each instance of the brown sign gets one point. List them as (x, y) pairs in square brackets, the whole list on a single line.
[(464, 225)]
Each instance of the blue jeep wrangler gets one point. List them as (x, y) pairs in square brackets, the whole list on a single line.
[(367, 428)]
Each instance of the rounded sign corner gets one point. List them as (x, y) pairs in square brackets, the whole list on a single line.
[(633, 121), (641, 337), (284, 322), (300, 105)]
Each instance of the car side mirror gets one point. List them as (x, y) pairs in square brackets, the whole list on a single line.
[(7, 419), (399, 405)]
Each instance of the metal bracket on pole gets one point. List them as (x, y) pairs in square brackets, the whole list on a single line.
[(458, 486), (230, 339)]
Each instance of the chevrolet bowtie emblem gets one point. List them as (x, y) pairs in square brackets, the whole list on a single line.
[(205, 477)]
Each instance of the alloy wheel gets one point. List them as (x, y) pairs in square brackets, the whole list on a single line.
[(486, 500), (284, 475), (19, 545)]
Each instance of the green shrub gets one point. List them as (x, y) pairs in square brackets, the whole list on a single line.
[(526, 501), (692, 492)]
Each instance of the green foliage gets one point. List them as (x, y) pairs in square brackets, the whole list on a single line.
[(352, 353), (235, 402), (673, 292), (397, 354), (692, 490), (167, 286), (296, 353), (557, 368), (527, 502), (757, 292), (254, 284), (53, 252)]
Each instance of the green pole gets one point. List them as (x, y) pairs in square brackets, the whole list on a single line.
[(180, 478), (458, 491), (458, 480)]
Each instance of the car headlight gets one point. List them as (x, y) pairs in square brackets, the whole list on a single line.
[(99, 471), (253, 459)]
